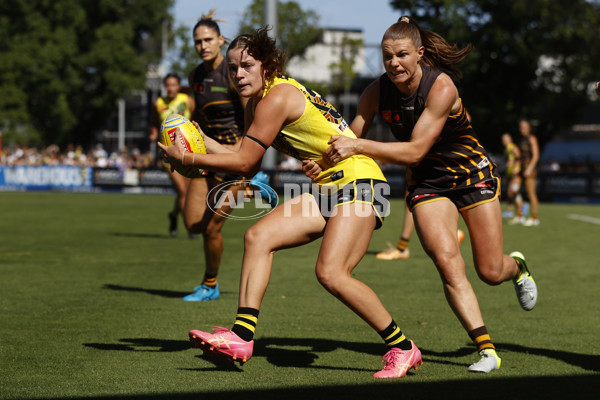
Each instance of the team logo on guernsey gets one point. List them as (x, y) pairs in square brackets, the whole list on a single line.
[(330, 113), (198, 87), (391, 117), (483, 163)]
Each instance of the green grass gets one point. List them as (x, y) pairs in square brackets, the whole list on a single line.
[(90, 307)]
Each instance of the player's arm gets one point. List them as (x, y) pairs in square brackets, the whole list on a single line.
[(191, 104), (535, 155), (271, 113), (191, 86), (155, 124), (442, 99), (368, 107)]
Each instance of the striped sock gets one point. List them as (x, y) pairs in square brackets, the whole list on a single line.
[(481, 338), (245, 323), (210, 281), (402, 244), (393, 337)]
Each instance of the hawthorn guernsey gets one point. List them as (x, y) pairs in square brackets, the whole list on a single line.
[(190, 137)]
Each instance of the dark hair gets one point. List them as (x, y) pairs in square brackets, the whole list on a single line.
[(172, 75), (208, 21), (438, 53), (264, 49)]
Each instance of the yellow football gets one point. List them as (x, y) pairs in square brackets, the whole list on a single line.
[(189, 136)]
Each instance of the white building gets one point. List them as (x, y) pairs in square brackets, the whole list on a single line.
[(315, 65)]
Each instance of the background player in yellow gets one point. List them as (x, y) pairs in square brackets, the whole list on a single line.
[(512, 154), (175, 102)]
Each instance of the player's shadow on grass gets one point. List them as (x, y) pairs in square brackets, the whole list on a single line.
[(171, 294), (589, 362), (143, 345), (140, 235), (303, 352)]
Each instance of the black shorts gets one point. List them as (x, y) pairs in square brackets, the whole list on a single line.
[(368, 191), (463, 197)]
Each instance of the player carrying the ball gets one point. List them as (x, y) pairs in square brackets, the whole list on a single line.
[(347, 203)]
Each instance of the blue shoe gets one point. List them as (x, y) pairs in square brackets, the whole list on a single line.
[(508, 214), (203, 293), (261, 181)]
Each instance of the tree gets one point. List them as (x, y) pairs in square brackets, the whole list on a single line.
[(343, 71), (532, 59), (297, 29), (184, 55), (64, 64)]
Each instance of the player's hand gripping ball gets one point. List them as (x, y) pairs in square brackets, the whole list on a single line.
[(190, 138)]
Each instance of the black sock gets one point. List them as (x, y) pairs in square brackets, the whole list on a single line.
[(245, 323), (393, 337)]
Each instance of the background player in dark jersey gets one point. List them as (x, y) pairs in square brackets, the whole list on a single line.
[(220, 114), (174, 102), (449, 173), (530, 156)]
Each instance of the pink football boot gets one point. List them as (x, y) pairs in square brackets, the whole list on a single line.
[(223, 342), (398, 362)]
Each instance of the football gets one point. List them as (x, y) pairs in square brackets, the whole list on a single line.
[(190, 138)]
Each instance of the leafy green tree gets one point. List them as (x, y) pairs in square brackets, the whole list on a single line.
[(184, 55), (64, 64), (342, 71), (532, 58), (297, 29)]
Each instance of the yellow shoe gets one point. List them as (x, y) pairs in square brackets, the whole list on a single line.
[(393, 253)]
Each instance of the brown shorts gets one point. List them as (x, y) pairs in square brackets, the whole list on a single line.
[(463, 197)]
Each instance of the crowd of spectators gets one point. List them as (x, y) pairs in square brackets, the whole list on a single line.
[(135, 159), (75, 155)]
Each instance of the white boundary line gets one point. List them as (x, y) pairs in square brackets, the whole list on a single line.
[(584, 218)]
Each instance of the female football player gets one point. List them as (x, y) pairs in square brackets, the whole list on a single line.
[(175, 102), (449, 173), (347, 202)]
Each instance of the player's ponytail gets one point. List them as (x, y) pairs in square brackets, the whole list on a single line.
[(438, 53), (209, 21)]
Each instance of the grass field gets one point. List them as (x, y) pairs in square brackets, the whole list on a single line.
[(90, 307)]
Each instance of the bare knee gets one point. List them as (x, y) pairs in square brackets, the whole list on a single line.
[(195, 227), (452, 270), (257, 237), (490, 273), (329, 278)]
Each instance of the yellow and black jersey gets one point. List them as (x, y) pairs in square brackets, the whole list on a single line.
[(307, 137), (456, 159), (513, 164), (526, 153), (219, 110), (178, 105)]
